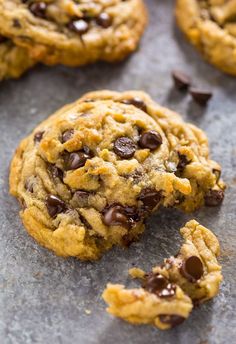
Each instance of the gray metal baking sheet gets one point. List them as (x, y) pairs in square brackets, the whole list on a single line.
[(43, 298)]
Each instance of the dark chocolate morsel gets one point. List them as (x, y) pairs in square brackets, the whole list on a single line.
[(150, 198), (169, 291), (192, 268), (200, 96), (171, 319), (119, 215), (183, 162), (124, 147), (67, 135), (38, 136), (214, 198), (104, 20), (150, 139), (55, 172), (79, 26), (138, 102), (182, 81), (55, 205), (77, 159), (155, 282), (38, 9)]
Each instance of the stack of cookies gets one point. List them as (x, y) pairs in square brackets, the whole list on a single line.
[(69, 32)]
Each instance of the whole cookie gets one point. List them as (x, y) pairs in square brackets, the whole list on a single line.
[(74, 32), (210, 26), (14, 61), (89, 175)]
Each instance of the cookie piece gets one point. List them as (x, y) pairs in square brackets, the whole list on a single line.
[(171, 289), (14, 60), (210, 26), (74, 33), (90, 174), (139, 306)]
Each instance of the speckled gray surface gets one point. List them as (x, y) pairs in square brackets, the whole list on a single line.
[(43, 298)]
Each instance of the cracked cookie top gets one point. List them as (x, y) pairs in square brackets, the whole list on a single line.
[(211, 26), (14, 60), (74, 32), (89, 175)]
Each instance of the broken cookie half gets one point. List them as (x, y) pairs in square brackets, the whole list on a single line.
[(169, 293)]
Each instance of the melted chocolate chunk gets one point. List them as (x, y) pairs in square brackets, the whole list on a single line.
[(192, 268), (159, 285), (200, 96), (138, 102), (38, 9), (104, 20), (55, 205), (214, 198), (183, 162), (77, 159), (118, 215), (171, 319), (150, 139), (124, 147), (79, 26), (169, 291), (150, 198), (3, 39), (38, 136), (67, 135), (55, 172), (182, 81)]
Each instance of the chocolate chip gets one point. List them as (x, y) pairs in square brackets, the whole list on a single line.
[(150, 198), (118, 215), (169, 291), (182, 81), (3, 39), (183, 162), (55, 172), (214, 198), (104, 20), (124, 147), (200, 96), (38, 136), (79, 26), (38, 9), (150, 139), (55, 205), (192, 268), (138, 102), (16, 23), (171, 319), (78, 159), (67, 135), (81, 194), (154, 283)]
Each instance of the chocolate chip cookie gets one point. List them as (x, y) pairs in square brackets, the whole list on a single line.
[(170, 291), (210, 26), (14, 61), (89, 175), (74, 32)]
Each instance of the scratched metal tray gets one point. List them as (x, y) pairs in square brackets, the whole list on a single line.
[(45, 299)]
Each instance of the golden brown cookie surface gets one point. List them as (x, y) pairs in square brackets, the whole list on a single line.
[(210, 26), (74, 33), (90, 174)]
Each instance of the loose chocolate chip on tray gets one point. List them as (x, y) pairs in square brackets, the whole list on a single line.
[(104, 20), (192, 268), (124, 147), (80, 26), (171, 319), (38, 9), (38, 136), (138, 102), (200, 96), (150, 139), (150, 198), (214, 198), (182, 81), (55, 205)]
